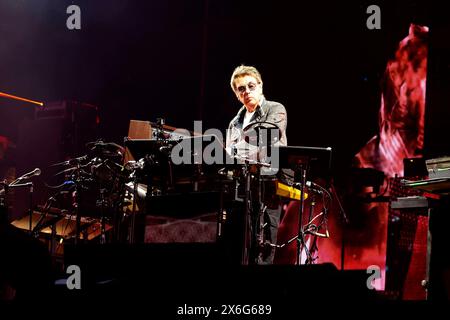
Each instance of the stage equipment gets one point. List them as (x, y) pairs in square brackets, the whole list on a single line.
[(57, 132), (304, 161), (18, 183), (436, 189), (258, 160), (92, 186), (157, 182)]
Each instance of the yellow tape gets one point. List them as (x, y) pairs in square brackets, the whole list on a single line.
[(286, 191)]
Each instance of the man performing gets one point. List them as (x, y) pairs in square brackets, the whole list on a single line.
[(247, 84)]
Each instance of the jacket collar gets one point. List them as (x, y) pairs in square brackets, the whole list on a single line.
[(260, 113)]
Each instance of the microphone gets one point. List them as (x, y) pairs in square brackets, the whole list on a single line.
[(311, 185), (15, 183), (76, 160), (35, 172), (166, 150)]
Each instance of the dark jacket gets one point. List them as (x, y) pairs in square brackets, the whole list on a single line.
[(269, 111)]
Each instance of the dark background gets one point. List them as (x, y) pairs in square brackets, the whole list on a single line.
[(173, 59)]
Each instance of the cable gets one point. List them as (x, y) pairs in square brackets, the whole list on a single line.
[(65, 183)]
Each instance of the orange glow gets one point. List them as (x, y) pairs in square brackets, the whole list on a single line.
[(10, 96)]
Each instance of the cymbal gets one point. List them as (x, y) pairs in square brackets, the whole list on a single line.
[(108, 149), (103, 144)]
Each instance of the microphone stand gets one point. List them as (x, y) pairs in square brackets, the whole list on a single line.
[(31, 205), (346, 221), (78, 179), (3, 204), (16, 184), (77, 212), (250, 236), (132, 227), (30, 185), (300, 235), (260, 220), (247, 217)]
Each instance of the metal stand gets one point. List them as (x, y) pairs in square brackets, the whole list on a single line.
[(255, 210), (253, 238), (132, 228), (300, 234), (102, 216), (247, 218), (3, 204), (300, 159), (31, 206), (260, 223), (77, 215), (345, 223), (78, 179), (15, 184)]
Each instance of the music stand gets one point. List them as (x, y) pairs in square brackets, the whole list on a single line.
[(303, 160)]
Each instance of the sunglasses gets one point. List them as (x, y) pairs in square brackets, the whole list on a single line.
[(251, 87)]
